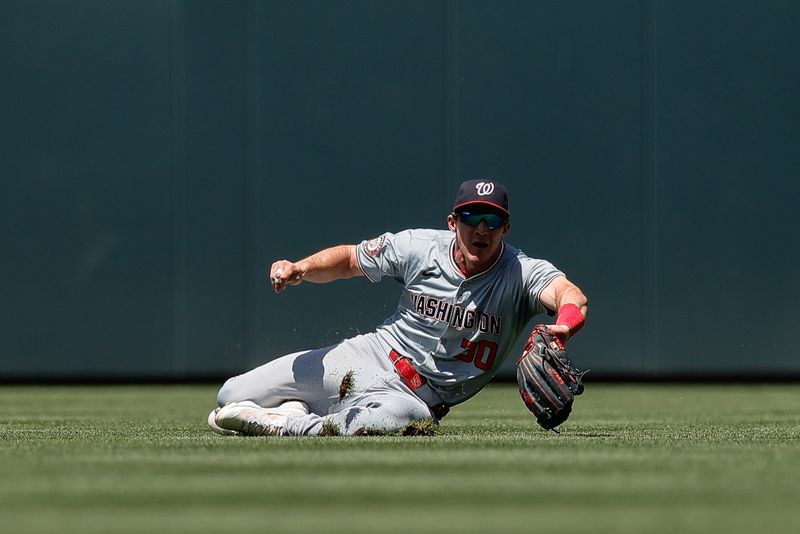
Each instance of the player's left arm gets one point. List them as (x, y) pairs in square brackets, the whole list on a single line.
[(334, 263), (572, 305)]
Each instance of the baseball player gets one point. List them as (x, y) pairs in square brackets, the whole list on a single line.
[(466, 297)]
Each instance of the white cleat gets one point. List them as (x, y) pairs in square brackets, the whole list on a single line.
[(290, 409), (249, 418), (245, 419), (212, 422)]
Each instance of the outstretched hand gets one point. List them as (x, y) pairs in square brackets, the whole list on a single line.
[(283, 273), (561, 331)]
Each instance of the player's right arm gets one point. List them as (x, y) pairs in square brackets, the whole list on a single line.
[(327, 265), (572, 305)]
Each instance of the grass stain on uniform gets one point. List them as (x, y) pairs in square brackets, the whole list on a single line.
[(347, 385), (329, 429)]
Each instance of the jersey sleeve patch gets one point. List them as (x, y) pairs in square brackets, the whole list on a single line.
[(375, 247)]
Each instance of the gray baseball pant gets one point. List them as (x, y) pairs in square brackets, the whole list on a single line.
[(377, 400)]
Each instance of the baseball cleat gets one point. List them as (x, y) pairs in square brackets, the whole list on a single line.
[(249, 418), (291, 408), (212, 422)]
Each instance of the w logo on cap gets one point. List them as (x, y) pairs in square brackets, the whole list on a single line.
[(482, 191), (484, 188)]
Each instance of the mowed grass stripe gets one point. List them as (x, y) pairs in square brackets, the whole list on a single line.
[(632, 458)]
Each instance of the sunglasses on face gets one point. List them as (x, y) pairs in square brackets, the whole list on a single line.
[(493, 221)]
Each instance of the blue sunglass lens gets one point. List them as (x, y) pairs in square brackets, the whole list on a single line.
[(493, 222)]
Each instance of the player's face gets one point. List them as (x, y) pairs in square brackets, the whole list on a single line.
[(478, 236)]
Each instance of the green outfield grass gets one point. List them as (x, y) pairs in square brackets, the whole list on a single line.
[(644, 458)]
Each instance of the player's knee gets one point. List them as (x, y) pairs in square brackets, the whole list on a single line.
[(407, 410), (394, 416), (229, 392)]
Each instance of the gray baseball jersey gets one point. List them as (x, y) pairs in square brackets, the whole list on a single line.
[(457, 330)]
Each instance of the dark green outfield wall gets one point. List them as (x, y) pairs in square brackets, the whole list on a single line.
[(158, 155)]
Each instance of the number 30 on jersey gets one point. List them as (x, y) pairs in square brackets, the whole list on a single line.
[(481, 353)]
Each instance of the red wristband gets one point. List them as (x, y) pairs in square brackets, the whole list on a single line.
[(570, 316)]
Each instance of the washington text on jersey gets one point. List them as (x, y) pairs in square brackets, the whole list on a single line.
[(456, 316)]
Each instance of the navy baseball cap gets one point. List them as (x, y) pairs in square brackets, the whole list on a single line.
[(482, 191)]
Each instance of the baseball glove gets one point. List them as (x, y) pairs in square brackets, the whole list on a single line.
[(548, 382)]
